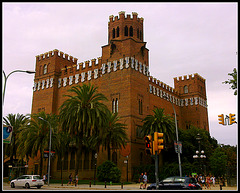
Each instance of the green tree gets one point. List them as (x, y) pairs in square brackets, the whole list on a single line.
[(17, 121), (159, 122), (34, 138), (82, 114), (108, 171), (218, 162), (233, 81), (114, 133)]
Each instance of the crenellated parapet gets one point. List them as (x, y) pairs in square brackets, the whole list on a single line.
[(189, 77), (58, 53), (123, 17)]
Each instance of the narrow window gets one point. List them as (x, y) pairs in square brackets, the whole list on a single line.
[(113, 106), (141, 108), (137, 33), (117, 31), (126, 31), (116, 105), (113, 33), (185, 89), (140, 35), (131, 31), (45, 69)]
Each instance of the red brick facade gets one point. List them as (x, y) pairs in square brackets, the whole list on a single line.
[(122, 75)]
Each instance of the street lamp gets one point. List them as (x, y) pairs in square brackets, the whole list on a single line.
[(199, 153), (179, 158), (49, 153), (6, 77)]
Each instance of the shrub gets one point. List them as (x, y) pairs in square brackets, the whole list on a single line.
[(108, 171)]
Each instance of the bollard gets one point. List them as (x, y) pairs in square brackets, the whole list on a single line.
[(90, 184), (105, 184), (121, 185)]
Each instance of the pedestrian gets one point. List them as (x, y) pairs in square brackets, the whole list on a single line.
[(70, 179), (145, 180), (213, 181), (141, 180), (44, 178), (208, 182), (76, 180), (221, 183)]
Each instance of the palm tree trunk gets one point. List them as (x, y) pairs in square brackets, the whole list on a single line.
[(109, 152)]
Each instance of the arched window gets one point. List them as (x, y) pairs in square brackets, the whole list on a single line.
[(126, 31), (185, 89), (117, 31), (131, 31), (113, 33), (114, 157), (45, 69)]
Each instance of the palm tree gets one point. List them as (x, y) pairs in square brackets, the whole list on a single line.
[(159, 122), (34, 137), (82, 114), (16, 121), (114, 133)]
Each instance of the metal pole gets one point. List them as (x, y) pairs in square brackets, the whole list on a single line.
[(156, 170), (6, 77), (179, 158), (49, 153)]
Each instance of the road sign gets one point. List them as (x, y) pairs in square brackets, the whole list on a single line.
[(178, 146), (7, 133)]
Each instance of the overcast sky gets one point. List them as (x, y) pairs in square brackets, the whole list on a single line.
[(182, 38)]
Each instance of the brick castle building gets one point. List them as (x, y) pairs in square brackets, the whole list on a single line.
[(122, 75)]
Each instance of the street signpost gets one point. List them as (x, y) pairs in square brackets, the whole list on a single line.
[(7, 134)]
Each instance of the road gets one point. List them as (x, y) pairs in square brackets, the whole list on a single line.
[(85, 187)]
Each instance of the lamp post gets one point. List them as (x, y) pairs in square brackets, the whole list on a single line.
[(178, 152), (199, 153), (49, 153), (6, 77)]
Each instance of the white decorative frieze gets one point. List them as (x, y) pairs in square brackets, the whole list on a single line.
[(150, 88), (103, 68), (89, 75), (109, 67), (186, 102), (47, 83), (136, 64), (132, 62), (35, 86), (59, 82), (51, 82), (83, 76), (95, 73), (76, 78), (127, 62), (70, 80), (65, 81), (115, 65), (121, 63), (144, 69)]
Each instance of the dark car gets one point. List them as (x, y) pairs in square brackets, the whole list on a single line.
[(176, 183)]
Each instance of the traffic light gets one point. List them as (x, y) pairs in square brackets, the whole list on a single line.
[(232, 118), (221, 119), (148, 143), (157, 142)]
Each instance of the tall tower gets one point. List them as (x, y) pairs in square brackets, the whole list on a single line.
[(125, 39), (192, 91)]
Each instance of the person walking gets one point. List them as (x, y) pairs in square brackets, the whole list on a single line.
[(76, 180), (141, 180), (70, 179), (44, 178), (213, 181), (145, 180)]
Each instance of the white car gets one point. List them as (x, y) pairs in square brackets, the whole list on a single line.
[(27, 181)]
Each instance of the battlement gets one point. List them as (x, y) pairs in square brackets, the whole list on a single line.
[(122, 17), (162, 85), (56, 52), (189, 77)]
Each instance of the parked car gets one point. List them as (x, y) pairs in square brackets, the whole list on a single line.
[(176, 183), (27, 181)]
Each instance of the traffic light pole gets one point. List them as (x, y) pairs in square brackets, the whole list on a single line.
[(156, 170)]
